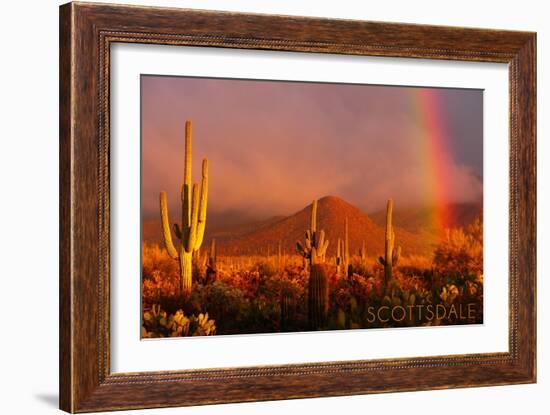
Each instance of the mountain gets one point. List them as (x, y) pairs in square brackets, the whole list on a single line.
[(258, 237), (152, 233), (331, 214), (419, 219)]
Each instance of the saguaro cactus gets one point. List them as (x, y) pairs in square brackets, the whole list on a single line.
[(391, 252), (342, 254), (318, 296), (316, 245), (314, 253), (363, 254), (339, 259), (280, 259), (286, 308), (212, 263), (191, 231), (345, 251)]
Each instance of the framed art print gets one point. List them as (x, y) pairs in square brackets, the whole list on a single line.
[(262, 207), (261, 254)]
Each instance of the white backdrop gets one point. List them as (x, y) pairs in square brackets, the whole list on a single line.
[(28, 219)]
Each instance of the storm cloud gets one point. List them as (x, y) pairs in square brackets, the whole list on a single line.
[(273, 146)]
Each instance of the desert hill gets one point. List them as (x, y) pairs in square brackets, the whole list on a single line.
[(259, 237)]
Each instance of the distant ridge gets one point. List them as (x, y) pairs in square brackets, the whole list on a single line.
[(419, 219), (259, 237)]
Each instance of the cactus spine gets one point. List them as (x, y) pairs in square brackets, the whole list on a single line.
[(316, 245), (391, 252), (191, 232)]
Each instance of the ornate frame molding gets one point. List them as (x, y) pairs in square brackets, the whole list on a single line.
[(86, 33)]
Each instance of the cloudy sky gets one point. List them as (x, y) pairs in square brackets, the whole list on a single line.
[(274, 146)]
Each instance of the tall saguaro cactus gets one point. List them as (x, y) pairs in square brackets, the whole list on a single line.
[(363, 254), (316, 245), (345, 250), (314, 253), (391, 252), (318, 296), (280, 259), (342, 253), (286, 303), (212, 263), (339, 260), (191, 231)]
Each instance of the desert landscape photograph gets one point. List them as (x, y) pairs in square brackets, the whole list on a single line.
[(283, 206)]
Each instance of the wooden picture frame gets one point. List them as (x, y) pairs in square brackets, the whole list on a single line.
[(86, 33)]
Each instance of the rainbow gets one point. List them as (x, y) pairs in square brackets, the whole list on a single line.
[(434, 154)]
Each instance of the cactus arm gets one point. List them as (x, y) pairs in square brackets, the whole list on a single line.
[(203, 203), (325, 247), (185, 211), (166, 233), (308, 240), (188, 151), (396, 255), (314, 259), (321, 242), (191, 240), (314, 217), (186, 193)]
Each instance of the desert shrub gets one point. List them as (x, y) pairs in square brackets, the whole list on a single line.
[(461, 252), (246, 281), (415, 266), (360, 268), (156, 259), (261, 315), (247, 296), (160, 278), (266, 269), (199, 267), (158, 323), (226, 304)]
